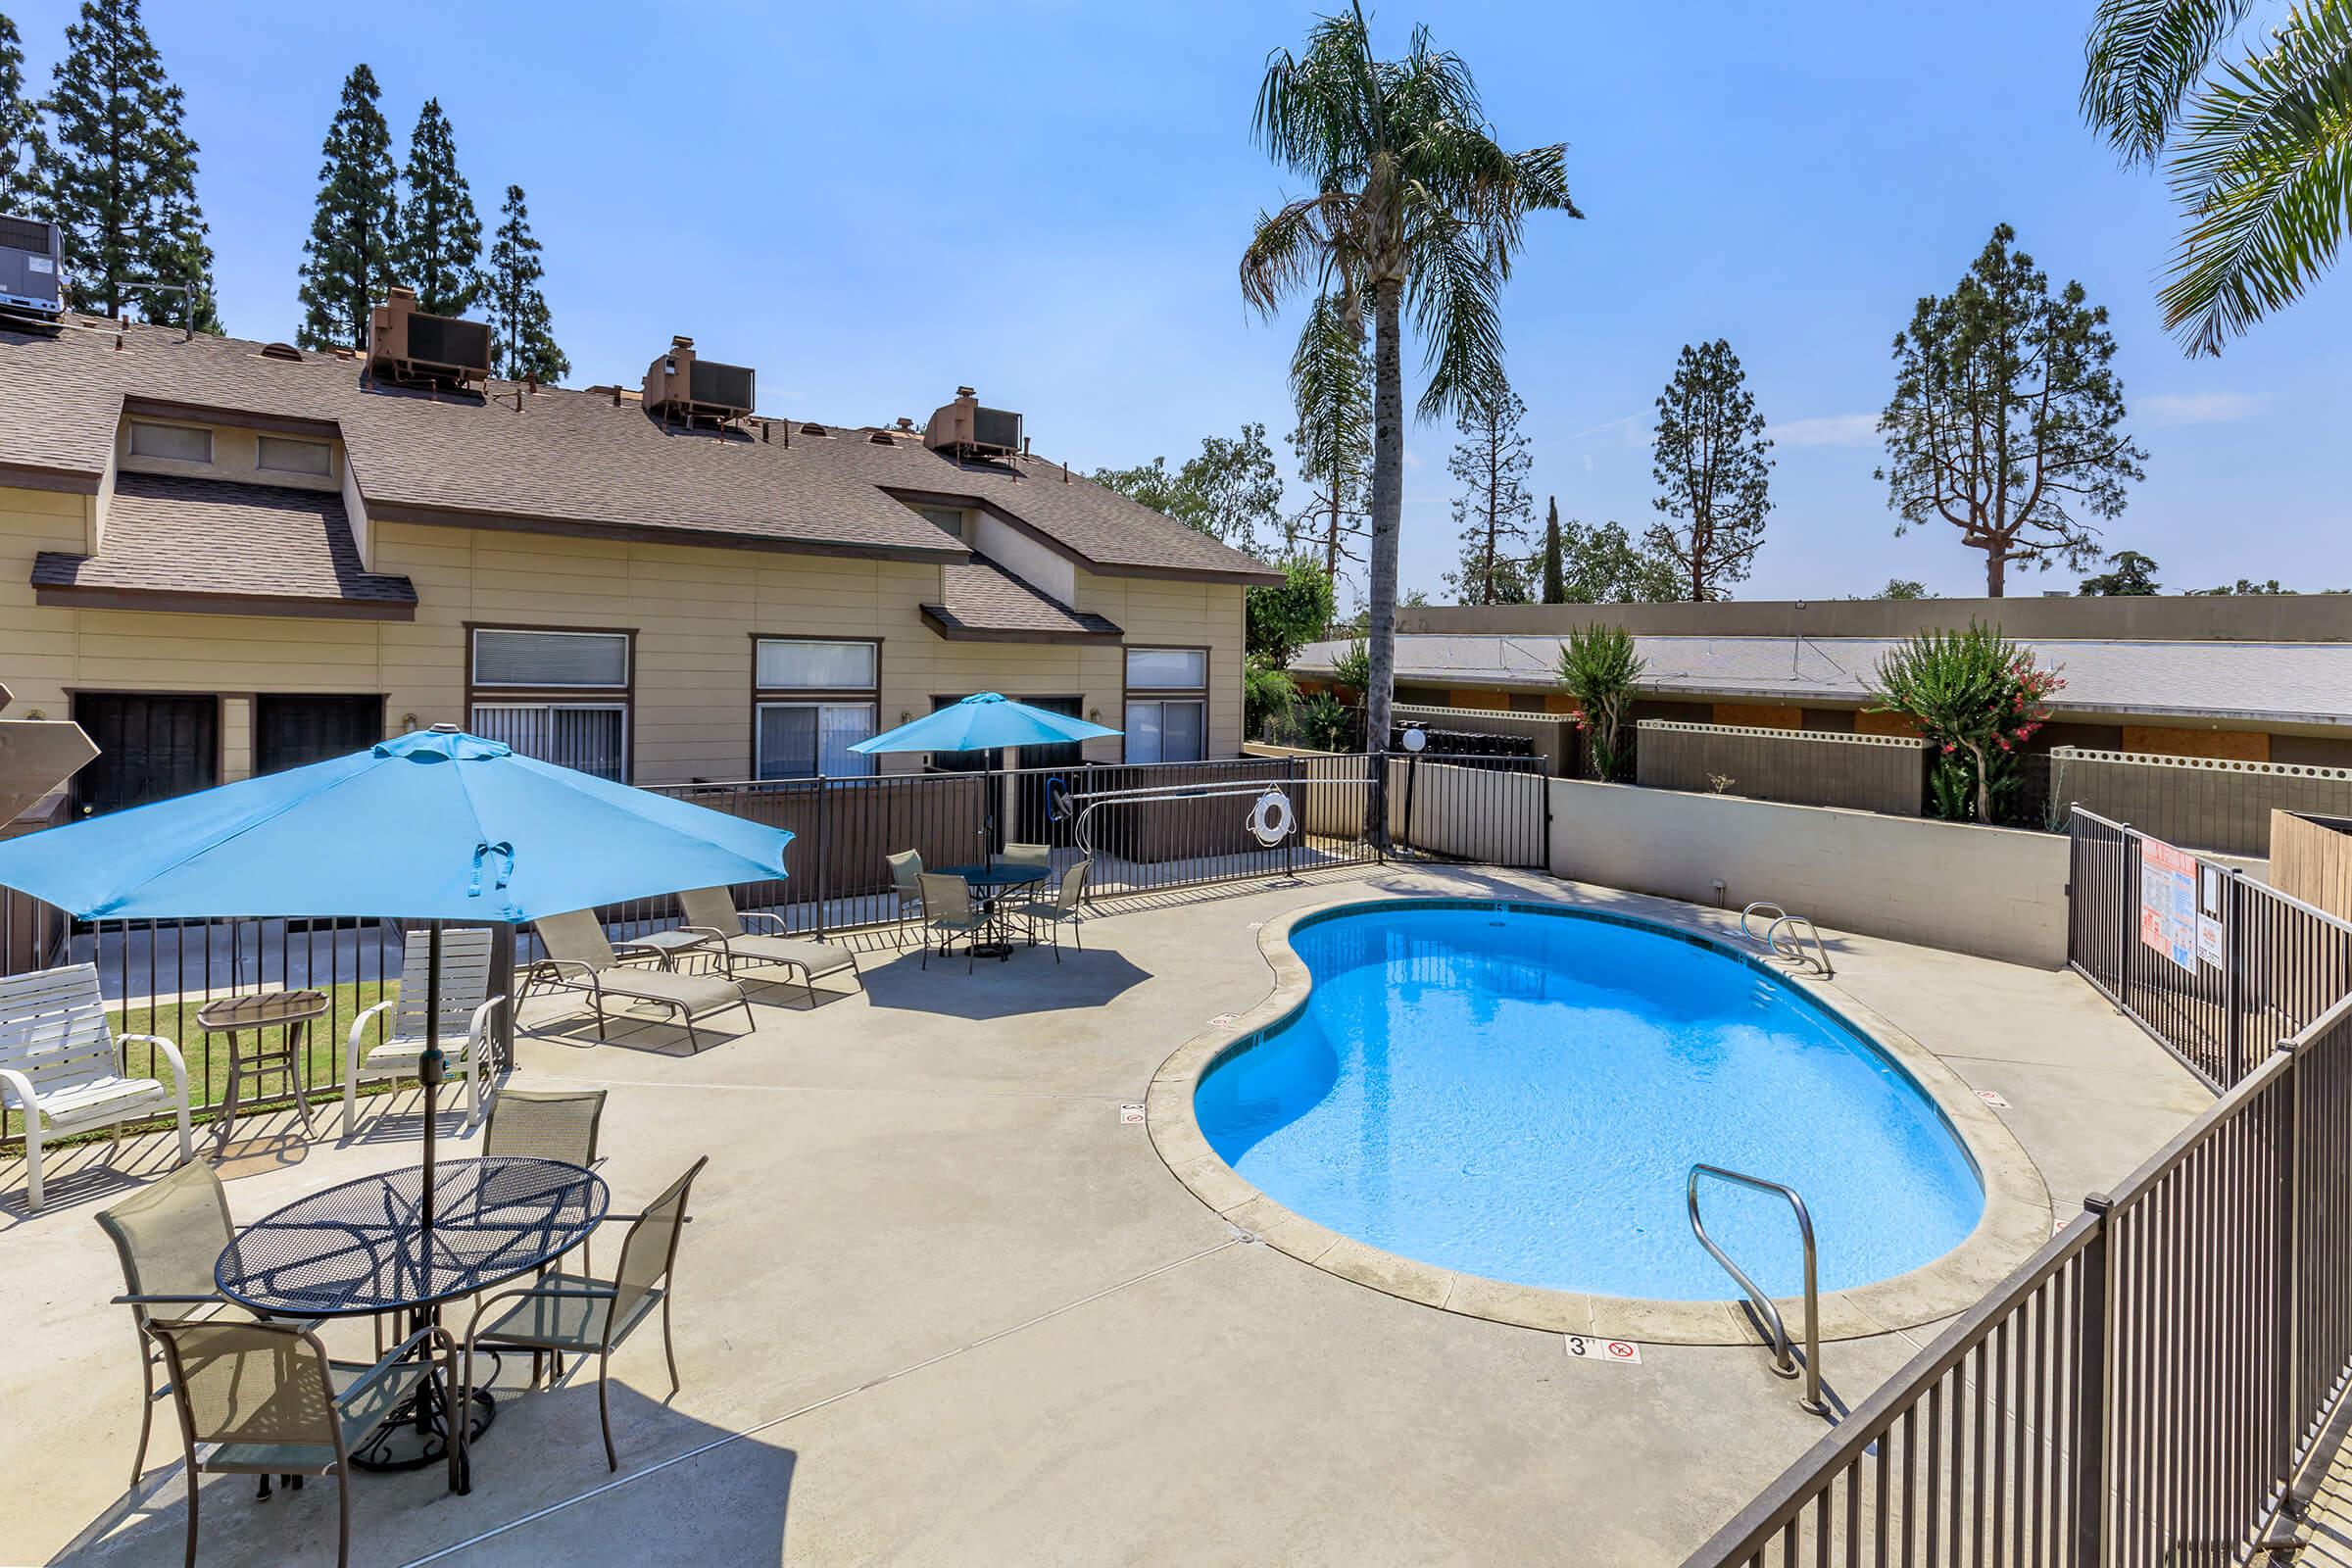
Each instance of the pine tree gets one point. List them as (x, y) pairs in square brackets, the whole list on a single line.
[(1709, 462), (440, 232), (118, 176), (518, 309), (1492, 460), (354, 236), (20, 150)]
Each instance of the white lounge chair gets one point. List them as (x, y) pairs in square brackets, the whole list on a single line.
[(467, 1011), (62, 1065)]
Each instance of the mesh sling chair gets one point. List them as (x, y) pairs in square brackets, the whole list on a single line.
[(167, 1234), (263, 1398), (906, 889), (1063, 909), (579, 958), (711, 913), (547, 1124), (580, 1314), (947, 911)]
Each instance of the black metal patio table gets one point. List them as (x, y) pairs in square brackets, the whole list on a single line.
[(989, 884), (364, 1247)]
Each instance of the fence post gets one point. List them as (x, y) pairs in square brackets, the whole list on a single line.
[(824, 848), (2286, 1335), (1298, 798), (2094, 1347), (2233, 1032)]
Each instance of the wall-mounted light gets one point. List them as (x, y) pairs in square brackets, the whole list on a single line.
[(905, 715), (408, 724)]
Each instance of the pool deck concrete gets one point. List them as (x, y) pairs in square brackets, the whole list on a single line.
[(942, 1304)]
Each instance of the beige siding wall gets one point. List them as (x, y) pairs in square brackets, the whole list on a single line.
[(694, 610)]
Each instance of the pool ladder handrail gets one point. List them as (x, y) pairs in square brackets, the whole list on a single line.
[(1795, 951), (1784, 1364)]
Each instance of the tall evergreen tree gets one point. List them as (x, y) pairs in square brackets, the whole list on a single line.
[(119, 175), (1710, 462), (1492, 512), (348, 261), (1556, 570), (20, 128), (440, 232), (526, 340)]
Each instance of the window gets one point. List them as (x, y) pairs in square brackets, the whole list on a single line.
[(178, 443), (812, 701), (592, 737), (562, 696), (946, 519), (286, 455), (1167, 705), (551, 658)]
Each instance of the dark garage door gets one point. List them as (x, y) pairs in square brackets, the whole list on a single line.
[(291, 731), (149, 749)]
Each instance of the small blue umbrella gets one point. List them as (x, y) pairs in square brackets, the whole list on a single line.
[(984, 722), (436, 825)]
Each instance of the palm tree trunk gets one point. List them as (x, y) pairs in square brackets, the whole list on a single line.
[(1388, 507)]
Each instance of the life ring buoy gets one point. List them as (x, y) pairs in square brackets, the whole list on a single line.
[(1057, 798), (1271, 819)]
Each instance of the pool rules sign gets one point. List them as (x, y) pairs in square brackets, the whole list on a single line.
[(2168, 902)]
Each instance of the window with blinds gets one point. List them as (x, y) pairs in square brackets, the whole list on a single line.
[(801, 740), (551, 660), (592, 737)]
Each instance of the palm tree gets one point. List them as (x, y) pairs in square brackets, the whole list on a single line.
[(2261, 146), (1415, 206)]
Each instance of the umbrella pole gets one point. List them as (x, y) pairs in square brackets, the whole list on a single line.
[(431, 1069)]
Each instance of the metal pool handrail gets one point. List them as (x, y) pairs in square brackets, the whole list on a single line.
[(1784, 1363)]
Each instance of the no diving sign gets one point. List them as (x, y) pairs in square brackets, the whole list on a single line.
[(1622, 1352)]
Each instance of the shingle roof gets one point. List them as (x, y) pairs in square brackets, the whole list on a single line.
[(565, 458), (213, 538), (984, 602), (2282, 682)]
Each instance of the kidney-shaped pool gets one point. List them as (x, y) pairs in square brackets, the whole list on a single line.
[(1519, 1091)]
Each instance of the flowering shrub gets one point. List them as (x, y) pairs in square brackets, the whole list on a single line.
[(1977, 698)]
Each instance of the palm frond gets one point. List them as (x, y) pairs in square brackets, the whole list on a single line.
[(2264, 171), (1453, 298), (2141, 60), (1285, 247)]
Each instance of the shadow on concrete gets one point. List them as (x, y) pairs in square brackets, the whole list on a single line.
[(686, 1490), (1029, 981)]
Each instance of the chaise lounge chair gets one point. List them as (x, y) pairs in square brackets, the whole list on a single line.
[(579, 958), (710, 912)]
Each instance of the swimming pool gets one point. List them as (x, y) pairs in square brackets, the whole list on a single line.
[(1519, 1091)]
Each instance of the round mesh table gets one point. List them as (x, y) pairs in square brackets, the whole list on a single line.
[(363, 1248)]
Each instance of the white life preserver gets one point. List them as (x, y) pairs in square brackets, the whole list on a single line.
[(1271, 819)]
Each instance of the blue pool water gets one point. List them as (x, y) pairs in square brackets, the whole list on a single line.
[(1520, 1092)]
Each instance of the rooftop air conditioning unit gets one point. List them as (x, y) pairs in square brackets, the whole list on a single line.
[(405, 344), (680, 385), (965, 427), (32, 266)]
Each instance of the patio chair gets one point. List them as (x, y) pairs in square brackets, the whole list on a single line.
[(63, 1066), (467, 1011), (906, 889), (273, 1402), (712, 912), (1028, 855), (167, 1235), (947, 911), (1063, 909), (580, 1314), (579, 958)]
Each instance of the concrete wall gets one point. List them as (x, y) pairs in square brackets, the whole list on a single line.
[(2254, 618), (1997, 892), (2213, 804), (1801, 768)]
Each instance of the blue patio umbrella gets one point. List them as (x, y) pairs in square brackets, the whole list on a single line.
[(984, 722), (436, 825)]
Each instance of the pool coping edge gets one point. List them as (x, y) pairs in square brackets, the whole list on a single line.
[(2016, 1221)]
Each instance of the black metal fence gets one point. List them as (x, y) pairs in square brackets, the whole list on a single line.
[(1145, 828), (2151, 1387)]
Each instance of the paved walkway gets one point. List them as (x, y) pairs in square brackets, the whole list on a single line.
[(941, 1304)]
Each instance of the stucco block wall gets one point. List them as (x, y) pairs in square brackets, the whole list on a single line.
[(695, 609), (1999, 893), (1798, 767), (2211, 804)]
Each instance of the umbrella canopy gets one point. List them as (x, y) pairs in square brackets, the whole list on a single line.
[(983, 723), (436, 825)]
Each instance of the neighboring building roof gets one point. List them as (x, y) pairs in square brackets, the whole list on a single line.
[(572, 461), (211, 539), (984, 603), (2305, 683)]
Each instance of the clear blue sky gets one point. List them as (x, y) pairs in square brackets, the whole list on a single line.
[(872, 205)]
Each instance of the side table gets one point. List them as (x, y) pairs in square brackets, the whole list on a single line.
[(261, 1010)]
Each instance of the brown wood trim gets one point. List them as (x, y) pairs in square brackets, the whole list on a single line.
[(33, 477), (648, 533), (956, 632), (139, 407), (625, 694), (182, 601)]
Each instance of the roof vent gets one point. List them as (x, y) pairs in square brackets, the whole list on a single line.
[(881, 438), (813, 428), (679, 386), (966, 429), (905, 423), (281, 351), (405, 344)]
